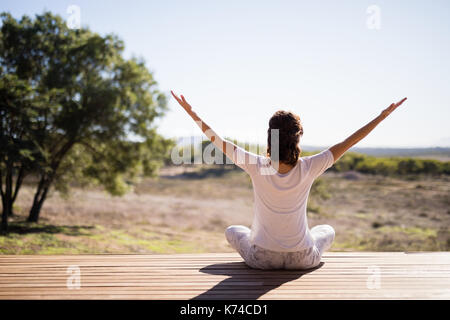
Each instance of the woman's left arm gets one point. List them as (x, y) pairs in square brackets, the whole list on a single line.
[(225, 146)]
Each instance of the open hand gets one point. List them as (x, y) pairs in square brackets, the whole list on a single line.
[(182, 101), (391, 108)]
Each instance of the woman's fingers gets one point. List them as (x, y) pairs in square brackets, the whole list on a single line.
[(395, 105), (392, 107), (400, 102), (181, 101), (182, 97), (175, 96)]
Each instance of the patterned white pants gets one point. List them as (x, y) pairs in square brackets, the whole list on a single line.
[(260, 258)]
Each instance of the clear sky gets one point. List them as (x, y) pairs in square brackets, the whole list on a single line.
[(237, 62)]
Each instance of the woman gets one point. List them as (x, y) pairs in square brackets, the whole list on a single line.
[(280, 237)]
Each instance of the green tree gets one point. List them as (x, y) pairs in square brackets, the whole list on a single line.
[(17, 153), (89, 111)]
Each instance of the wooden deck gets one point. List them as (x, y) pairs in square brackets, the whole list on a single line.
[(363, 275)]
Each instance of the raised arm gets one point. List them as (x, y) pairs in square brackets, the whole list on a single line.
[(339, 149), (225, 146)]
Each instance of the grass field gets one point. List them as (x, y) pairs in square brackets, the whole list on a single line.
[(185, 211)]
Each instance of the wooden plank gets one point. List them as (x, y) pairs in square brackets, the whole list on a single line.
[(343, 275)]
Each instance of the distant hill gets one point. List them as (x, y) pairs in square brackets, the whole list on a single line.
[(439, 153)]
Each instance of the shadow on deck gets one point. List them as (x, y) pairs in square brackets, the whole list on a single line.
[(247, 283)]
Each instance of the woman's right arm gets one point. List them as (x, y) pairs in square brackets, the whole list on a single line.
[(339, 149), (225, 146)]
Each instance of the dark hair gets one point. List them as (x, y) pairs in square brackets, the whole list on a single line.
[(290, 131)]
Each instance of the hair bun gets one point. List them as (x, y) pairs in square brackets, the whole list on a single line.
[(290, 130)]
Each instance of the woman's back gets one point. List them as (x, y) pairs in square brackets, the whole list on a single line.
[(280, 222)]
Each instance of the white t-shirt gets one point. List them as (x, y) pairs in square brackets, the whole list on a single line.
[(280, 222)]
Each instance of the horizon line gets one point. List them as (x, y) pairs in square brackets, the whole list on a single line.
[(320, 146)]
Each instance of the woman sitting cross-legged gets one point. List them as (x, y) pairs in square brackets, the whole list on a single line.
[(280, 237)]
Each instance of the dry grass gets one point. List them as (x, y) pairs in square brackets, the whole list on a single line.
[(189, 213)]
